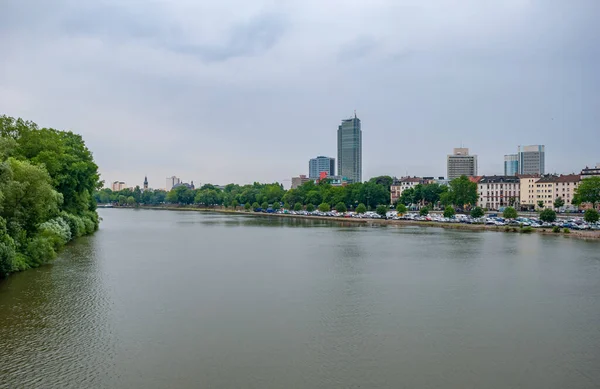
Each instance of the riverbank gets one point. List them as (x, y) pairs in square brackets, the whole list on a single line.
[(590, 235)]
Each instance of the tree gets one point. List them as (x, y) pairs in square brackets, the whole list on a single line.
[(477, 212), (449, 211), (591, 216), (360, 208), (264, 205), (401, 209), (309, 207), (247, 206), (510, 213), (407, 197), (131, 201), (540, 204), (381, 210), (324, 207), (548, 215), (255, 206), (424, 211), (385, 181), (286, 205), (341, 207), (588, 191), (559, 202), (463, 191), (276, 205), (298, 207), (234, 203)]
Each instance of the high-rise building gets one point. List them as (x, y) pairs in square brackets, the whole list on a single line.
[(171, 182), (350, 149), (298, 181), (117, 186), (532, 159), (460, 163), (321, 164), (511, 164)]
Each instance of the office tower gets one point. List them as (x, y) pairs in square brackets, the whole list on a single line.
[(350, 149), (511, 164), (460, 163), (532, 159), (321, 164)]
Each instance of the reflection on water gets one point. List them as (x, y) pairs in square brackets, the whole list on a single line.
[(184, 299)]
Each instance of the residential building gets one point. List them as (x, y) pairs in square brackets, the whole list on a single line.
[(146, 183), (298, 181), (321, 164), (117, 186), (591, 172), (545, 189), (527, 190), (565, 189), (349, 137), (511, 164), (399, 186), (171, 182), (460, 163), (495, 192), (532, 159)]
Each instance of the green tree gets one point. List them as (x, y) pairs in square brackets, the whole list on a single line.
[(385, 181), (540, 204), (591, 216), (255, 206), (360, 208), (477, 212), (407, 197), (298, 207), (309, 207), (234, 204), (401, 209), (381, 210), (324, 207), (548, 215), (449, 211), (276, 205), (588, 191), (463, 192), (286, 206), (131, 201), (559, 202), (510, 213), (264, 205), (424, 211), (247, 206), (341, 207)]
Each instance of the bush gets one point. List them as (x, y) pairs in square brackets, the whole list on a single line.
[(567, 231), (247, 206), (527, 229), (255, 205), (57, 231), (510, 213), (424, 211), (310, 208), (264, 205), (340, 207), (7, 255), (324, 207), (507, 229), (381, 210), (477, 212), (39, 250), (556, 229), (591, 216), (286, 206), (360, 208), (449, 211), (548, 215), (298, 207)]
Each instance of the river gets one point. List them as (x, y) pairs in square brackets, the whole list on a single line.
[(166, 299)]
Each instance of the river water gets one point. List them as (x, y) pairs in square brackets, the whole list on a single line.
[(164, 299)]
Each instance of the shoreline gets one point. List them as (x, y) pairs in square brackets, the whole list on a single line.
[(580, 234)]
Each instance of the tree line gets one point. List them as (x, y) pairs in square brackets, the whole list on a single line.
[(47, 181)]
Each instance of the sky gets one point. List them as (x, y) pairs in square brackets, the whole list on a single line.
[(242, 91)]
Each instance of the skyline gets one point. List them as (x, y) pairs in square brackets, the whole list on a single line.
[(238, 92)]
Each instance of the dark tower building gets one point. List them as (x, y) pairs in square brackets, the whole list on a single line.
[(146, 183)]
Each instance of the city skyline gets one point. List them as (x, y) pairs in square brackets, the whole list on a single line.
[(217, 94)]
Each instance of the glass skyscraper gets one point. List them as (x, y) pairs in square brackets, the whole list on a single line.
[(350, 149), (532, 159), (511, 164), (321, 164)]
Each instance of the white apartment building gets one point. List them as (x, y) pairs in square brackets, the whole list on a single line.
[(494, 192)]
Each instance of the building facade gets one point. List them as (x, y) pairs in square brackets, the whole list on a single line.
[(511, 164), (460, 163), (591, 172), (532, 159), (117, 186), (527, 190), (171, 182), (565, 189), (321, 164), (495, 192), (298, 181), (399, 186), (349, 137)]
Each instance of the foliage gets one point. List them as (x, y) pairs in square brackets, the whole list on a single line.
[(381, 210), (591, 216), (401, 209), (588, 191), (264, 205), (361, 208), (559, 202), (477, 212), (449, 211), (540, 204), (341, 207), (567, 231), (424, 211), (286, 206), (556, 229), (324, 207), (462, 192), (548, 215), (255, 206), (309, 208), (276, 205), (510, 213), (298, 207), (247, 206), (526, 229)]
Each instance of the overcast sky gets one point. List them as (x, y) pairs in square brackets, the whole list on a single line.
[(242, 91)]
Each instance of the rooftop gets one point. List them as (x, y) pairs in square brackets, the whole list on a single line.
[(498, 179)]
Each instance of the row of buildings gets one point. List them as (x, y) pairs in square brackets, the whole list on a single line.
[(521, 190)]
